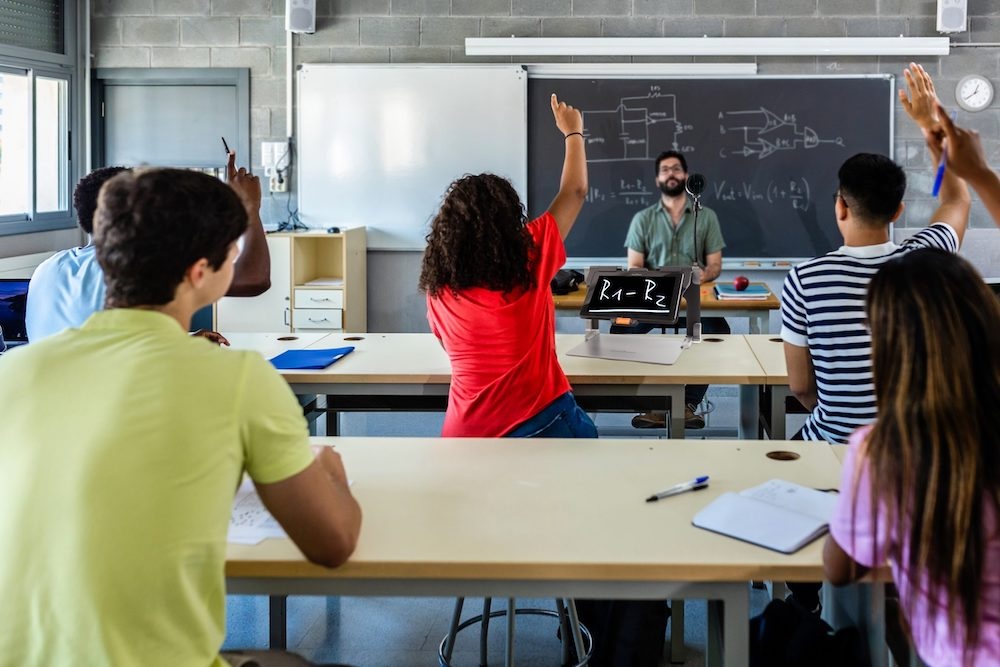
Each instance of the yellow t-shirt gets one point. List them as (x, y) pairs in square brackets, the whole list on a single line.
[(121, 446)]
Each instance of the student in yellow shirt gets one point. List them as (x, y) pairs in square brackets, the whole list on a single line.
[(122, 443)]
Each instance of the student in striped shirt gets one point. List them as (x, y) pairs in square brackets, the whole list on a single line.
[(827, 345)]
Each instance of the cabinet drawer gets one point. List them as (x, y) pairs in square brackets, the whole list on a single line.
[(318, 318), (319, 298)]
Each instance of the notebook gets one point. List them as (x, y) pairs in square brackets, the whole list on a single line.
[(309, 359), (751, 293), (13, 301), (777, 515)]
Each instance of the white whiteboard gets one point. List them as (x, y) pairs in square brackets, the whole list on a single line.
[(379, 144)]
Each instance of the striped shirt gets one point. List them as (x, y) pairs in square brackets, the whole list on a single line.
[(822, 308)]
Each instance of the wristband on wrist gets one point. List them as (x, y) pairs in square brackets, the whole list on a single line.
[(567, 136)]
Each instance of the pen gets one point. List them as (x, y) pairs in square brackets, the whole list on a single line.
[(225, 145), (694, 485), (940, 170)]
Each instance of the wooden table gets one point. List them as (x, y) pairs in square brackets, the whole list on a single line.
[(770, 353), (547, 518), (412, 371), (757, 312)]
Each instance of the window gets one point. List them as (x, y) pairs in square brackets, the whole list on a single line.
[(40, 110), (34, 145)]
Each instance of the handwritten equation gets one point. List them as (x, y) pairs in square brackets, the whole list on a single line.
[(793, 192)]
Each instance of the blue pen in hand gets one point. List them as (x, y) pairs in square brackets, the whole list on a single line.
[(694, 485), (940, 170)]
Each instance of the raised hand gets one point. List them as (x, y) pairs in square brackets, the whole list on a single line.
[(921, 103), (567, 118)]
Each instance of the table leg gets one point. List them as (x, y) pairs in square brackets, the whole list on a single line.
[(675, 425), (734, 627), (332, 418), (778, 395), (278, 622), (749, 411), (759, 322), (677, 648)]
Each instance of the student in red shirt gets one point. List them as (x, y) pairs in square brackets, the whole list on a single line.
[(486, 273)]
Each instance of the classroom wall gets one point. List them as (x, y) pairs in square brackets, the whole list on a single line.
[(250, 33)]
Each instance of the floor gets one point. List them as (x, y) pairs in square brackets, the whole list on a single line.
[(405, 632)]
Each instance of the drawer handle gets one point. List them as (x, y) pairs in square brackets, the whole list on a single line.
[(325, 319), (312, 298)]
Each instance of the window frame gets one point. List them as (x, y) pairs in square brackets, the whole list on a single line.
[(65, 66)]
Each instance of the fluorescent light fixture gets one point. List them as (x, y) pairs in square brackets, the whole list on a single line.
[(706, 46), (638, 70)]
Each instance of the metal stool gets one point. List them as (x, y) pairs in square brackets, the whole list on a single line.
[(569, 624)]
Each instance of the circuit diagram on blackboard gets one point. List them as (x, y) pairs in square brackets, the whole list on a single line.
[(762, 133), (637, 129)]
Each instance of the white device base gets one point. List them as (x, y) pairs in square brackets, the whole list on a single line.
[(645, 348)]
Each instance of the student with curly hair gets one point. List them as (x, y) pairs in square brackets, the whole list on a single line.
[(921, 486), (486, 273)]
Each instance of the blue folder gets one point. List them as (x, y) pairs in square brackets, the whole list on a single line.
[(309, 359)]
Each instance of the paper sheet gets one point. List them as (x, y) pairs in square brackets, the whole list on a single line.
[(250, 522)]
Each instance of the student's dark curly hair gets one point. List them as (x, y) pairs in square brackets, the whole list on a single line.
[(478, 239), (85, 195), (151, 225)]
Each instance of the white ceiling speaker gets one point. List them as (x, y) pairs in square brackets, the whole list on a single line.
[(300, 15), (952, 15)]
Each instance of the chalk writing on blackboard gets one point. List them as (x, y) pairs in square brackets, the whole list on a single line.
[(636, 129), (762, 133), (795, 192)]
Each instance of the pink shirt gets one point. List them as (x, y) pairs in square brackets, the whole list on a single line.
[(502, 346), (851, 527)]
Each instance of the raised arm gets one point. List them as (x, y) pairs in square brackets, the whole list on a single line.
[(573, 183), (252, 273), (966, 159), (921, 104), (317, 510)]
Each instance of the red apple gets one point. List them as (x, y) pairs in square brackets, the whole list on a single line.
[(741, 283)]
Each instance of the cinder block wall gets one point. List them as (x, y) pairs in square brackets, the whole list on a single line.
[(250, 33)]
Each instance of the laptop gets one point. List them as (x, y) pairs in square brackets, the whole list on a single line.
[(13, 301)]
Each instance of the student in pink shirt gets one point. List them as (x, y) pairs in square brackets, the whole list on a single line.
[(920, 487)]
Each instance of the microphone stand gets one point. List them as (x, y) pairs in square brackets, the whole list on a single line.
[(693, 293)]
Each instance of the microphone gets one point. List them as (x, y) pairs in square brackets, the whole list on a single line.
[(695, 185)]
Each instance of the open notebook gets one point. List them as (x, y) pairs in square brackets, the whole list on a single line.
[(777, 515)]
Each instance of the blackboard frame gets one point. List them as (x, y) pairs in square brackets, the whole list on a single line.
[(816, 221)]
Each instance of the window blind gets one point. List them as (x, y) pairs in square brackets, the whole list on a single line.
[(33, 24)]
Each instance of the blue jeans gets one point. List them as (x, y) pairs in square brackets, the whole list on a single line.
[(693, 393), (562, 418)]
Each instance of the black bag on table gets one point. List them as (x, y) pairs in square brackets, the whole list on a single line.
[(566, 281)]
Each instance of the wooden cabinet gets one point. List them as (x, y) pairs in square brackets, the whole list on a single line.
[(318, 283)]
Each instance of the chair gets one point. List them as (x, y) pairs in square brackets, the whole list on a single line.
[(569, 625)]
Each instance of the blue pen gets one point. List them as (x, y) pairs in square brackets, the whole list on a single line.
[(940, 169), (694, 485)]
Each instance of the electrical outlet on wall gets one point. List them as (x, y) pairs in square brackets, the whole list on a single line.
[(275, 158)]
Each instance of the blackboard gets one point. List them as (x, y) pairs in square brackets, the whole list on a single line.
[(647, 295), (769, 147)]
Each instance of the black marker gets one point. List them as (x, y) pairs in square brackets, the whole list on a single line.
[(225, 145)]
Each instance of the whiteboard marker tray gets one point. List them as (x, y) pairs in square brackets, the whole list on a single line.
[(632, 347)]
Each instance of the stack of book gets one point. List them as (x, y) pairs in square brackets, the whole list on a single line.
[(751, 293)]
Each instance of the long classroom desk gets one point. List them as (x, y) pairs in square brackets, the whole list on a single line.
[(403, 371), (548, 518), (757, 312)]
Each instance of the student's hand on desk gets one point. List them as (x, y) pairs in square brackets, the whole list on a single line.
[(331, 462), (567, 118), (213, 336), (246, 185), (922, 103)]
